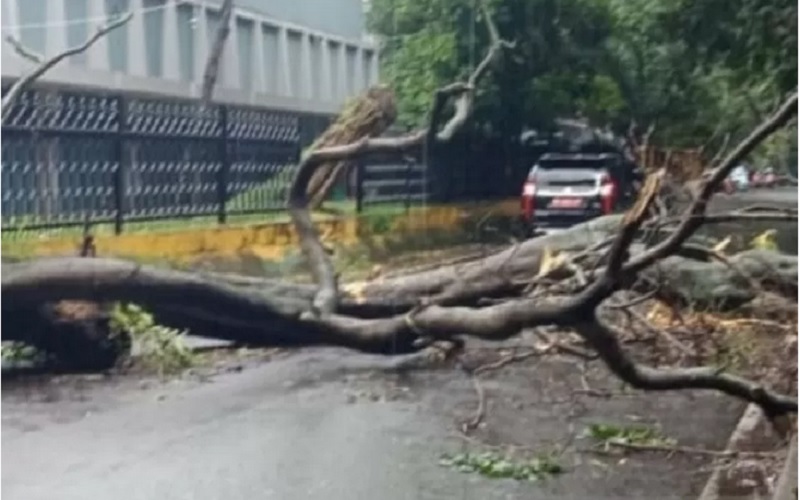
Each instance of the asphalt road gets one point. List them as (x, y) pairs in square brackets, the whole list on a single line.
[(315, 425), (783, 196)]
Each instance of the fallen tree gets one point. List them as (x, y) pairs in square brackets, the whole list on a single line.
[(369, 115), (566, 280)]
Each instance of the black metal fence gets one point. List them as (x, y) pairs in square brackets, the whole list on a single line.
[(72, 157)]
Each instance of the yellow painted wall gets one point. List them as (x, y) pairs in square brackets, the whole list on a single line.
[(267, 241)]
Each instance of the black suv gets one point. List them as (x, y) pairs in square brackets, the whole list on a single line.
[(565, 189)]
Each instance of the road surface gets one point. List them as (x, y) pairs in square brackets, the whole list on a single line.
[(317, 425), (312, 425), (782, 196)]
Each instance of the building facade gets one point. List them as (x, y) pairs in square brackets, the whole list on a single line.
[(307, 56)]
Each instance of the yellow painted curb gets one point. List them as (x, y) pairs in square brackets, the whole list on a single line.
[(269, 241)]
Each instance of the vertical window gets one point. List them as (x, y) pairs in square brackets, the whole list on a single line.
[(187, 24), (154, 36), (271, 59), (32, 12), (77, 32), (245, 48), (117, 39)]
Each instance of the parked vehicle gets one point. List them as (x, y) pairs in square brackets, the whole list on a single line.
[(740, 178), (565, 189)]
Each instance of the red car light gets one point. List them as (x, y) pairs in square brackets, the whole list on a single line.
[(608, 193), (528, 194)]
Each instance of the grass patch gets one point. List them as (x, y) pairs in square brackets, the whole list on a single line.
[(607, 435), (329, 211), (496, 466)]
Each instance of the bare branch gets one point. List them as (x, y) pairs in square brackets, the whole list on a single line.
[(603, 339), (23, 51), (692, 218), (464, 103), (211, 72), (319, 260), (44, 66), (326, 300)]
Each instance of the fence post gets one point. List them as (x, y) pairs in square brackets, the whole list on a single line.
[(409, 171), (120, 173), (359, 185), (222, 175)]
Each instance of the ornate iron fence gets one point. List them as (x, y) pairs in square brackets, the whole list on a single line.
[(70, 158), (382, 183)]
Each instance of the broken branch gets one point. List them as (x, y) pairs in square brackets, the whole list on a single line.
[(44, 65), (326, 299), (603, 338)]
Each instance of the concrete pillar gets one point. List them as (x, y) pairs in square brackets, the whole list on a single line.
[(200, 42), (137, 56), (98, 53), (56, 34), (374, 67), (284, 62), (12, 21), (342, 90), (786, 489), (358, 75), (170, 61), (306, 73), (259, 69), (230, 57), (326, 71)]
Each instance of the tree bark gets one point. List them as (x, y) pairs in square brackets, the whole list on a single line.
[(269, 313)]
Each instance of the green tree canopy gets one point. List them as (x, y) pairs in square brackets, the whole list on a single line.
[(697, 68)]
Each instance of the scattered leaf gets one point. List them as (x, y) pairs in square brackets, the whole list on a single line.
[(503, 467)]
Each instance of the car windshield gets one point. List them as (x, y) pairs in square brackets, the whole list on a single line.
[(565, 176)]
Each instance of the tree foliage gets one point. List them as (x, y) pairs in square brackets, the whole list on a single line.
[(697, 68)]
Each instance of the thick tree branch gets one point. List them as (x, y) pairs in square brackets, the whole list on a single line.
[(44, 65), (603, 339), (187, 300), (211, 72), (322, 268)]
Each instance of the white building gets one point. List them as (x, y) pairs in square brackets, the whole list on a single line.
[(299, 55)]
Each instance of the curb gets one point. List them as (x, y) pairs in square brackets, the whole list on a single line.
[(752, 419), (786, 489)]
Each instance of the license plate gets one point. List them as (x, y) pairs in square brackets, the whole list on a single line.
[(567, 203)]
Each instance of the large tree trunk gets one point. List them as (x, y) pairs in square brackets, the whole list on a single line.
[(270, 313), (74, 336)]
